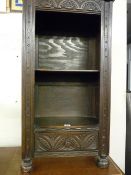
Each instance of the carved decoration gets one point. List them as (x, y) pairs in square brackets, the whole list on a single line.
[(106, 84), (77, 5), (73, 141), (69, 4), (66, 141), (106, 109), (104, 146), (27, 82), (90, 6)]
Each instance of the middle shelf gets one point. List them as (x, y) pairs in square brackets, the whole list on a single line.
[(88, 76), (66, 99)]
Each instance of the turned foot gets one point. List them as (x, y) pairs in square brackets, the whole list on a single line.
[(26, 165), (102, 161)]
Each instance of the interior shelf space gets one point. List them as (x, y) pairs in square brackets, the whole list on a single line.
[(66, 102), (67, 71), (67, 42)]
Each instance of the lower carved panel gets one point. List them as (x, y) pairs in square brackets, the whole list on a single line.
[(66, 141)]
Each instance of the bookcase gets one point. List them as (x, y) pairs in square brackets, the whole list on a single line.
[(66, 79)]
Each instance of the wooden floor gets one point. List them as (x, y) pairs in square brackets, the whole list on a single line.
[(10, 165)]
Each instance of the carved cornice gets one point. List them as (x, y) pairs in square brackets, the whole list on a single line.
[(76, 5)]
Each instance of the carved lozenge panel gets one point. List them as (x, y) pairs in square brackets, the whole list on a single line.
[(66, 141)]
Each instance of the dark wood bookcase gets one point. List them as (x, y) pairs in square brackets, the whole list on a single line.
[(66, 79)]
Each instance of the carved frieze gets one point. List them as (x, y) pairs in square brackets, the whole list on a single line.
[(77, 5), (65, 141)]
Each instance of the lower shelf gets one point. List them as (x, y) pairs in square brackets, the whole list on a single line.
[(66, 136), (90, 122)]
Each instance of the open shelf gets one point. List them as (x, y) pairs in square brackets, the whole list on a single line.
[(67, 78), (77, 123), (65, 42), (78, 101)]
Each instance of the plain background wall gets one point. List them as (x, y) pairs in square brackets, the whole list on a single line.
[(10, 81), (118, 84)]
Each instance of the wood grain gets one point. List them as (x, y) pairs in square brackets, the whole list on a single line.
[(77, 40), (66, 100), (65, 141), (10, 160), (67, 53)]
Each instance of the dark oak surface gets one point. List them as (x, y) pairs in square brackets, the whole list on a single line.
[(65, 42), (10, 159), (67, 53), (83, 18), (56, 100), (67, 122)]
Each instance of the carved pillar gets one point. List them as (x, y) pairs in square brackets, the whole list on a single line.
[(28, 84), (105, 83)]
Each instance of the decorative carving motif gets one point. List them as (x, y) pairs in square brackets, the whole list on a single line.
[(27, 83), (28, 31), (104, 146), (106, 90), (73, 141), (90, 6), (69, 4), (78, 5)]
